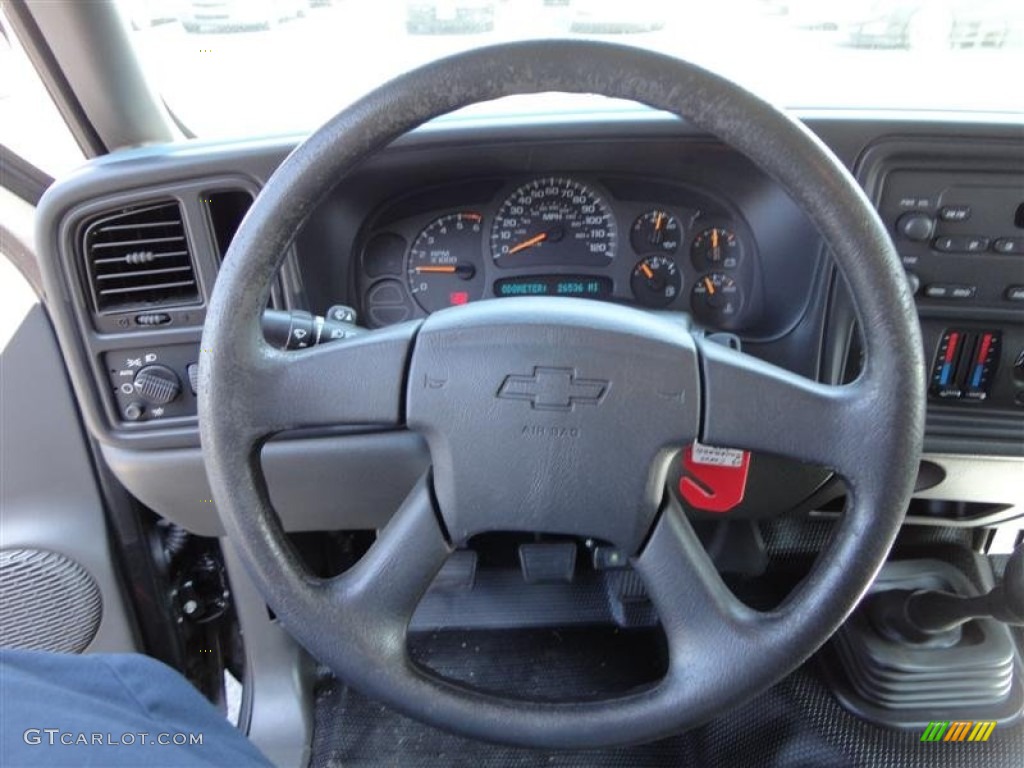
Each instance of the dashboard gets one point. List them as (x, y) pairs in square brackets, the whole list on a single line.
[(635, 209), (648, 243)]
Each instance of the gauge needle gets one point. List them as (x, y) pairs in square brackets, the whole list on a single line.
[(709, 285), (659, 222), (535, 240), (647, 271), (714, 239), (465, 271)]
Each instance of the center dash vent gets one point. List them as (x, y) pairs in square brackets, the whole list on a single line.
[(138, 258)]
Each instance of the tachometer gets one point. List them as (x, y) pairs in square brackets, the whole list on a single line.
[(444, 262), (553, 222)]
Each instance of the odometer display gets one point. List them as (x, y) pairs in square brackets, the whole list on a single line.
[(589, 286), (553, 221)]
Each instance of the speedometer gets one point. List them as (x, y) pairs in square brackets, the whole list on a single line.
[(553, 222)]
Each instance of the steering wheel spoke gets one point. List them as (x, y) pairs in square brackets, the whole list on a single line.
[(358, 382), (758, 406), (376, 598), (698, 612)]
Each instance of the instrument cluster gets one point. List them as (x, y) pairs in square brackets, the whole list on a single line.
[(667, 247)]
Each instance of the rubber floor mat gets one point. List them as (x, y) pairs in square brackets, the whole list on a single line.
[(796, 724)]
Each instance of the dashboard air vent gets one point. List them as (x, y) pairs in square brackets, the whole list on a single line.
[(139, 258)]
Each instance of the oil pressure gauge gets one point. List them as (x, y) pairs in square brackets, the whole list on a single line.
[(655, 231), (656, 281)]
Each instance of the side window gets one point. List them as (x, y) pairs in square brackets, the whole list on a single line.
[(16, 295), (30, 125), (33, 129)]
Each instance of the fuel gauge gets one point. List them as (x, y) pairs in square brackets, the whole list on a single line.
[(716, 297), (656, 281)]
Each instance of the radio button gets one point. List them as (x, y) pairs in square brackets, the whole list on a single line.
[(916, 226), (1009, 245), (960, 244), (950, 291), (955, 212)]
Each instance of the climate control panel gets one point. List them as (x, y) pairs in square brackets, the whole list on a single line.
[(975, 365), (965, 364)]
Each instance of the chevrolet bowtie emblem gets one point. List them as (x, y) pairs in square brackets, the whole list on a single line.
[(553, 389)]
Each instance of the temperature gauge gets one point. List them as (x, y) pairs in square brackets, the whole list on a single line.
[(717, 296), (656, 231), (656, 281), (716, 248)]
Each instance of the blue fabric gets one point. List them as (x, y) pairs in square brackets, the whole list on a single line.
[(114, 710)]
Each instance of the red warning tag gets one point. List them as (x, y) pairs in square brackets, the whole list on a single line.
[(714, 479)]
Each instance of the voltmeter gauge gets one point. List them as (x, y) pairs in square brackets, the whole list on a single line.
[(656, 231), (716, 297), (716, 248), (656, 281)]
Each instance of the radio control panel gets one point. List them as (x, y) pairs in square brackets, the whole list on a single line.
[(960, 235)]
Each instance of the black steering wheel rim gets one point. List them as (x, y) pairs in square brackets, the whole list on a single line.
[(720, 651)]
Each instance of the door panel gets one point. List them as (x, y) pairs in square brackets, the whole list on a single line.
[(58, 586)]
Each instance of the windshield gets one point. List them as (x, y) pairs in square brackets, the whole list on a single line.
[(257, 67)]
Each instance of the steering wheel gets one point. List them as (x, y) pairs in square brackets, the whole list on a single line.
[(529, 407)]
